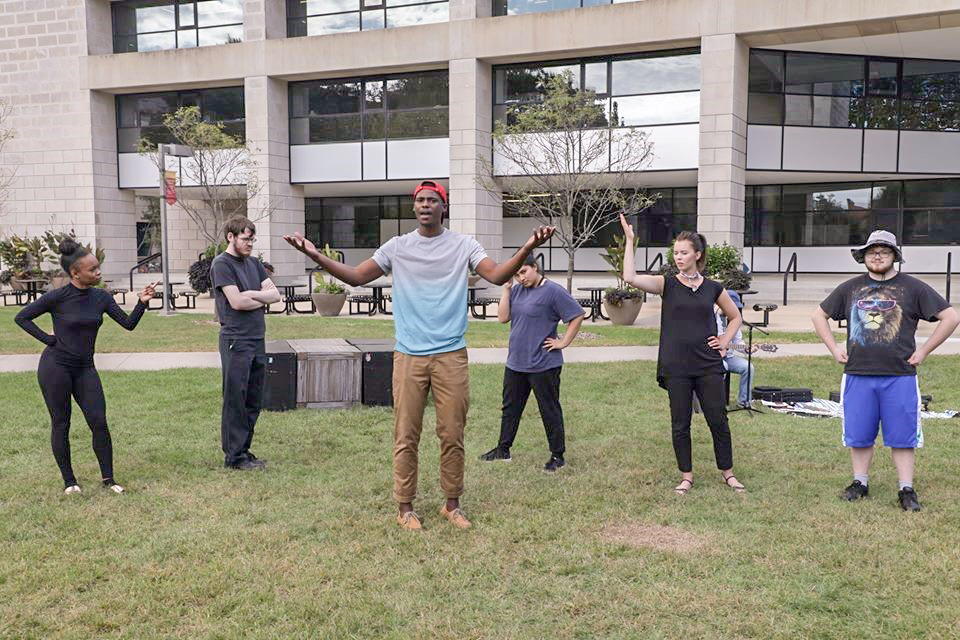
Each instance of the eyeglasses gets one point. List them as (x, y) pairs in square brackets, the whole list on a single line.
[(250, 240), (882, 253), (876, 305)]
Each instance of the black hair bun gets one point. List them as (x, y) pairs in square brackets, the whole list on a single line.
[(68, 246)]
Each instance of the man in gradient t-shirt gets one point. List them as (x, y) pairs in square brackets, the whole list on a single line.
[(429, 268)]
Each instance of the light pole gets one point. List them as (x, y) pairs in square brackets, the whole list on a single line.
[(179, 151)]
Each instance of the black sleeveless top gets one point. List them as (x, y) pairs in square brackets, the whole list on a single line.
[(686, 322)]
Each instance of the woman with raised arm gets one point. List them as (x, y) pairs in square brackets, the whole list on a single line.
[(690, 359), (66, 366)]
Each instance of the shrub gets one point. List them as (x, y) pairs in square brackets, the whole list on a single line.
[(199, 274)]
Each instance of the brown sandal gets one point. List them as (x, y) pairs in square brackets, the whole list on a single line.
[(680, 489), (738, 487)]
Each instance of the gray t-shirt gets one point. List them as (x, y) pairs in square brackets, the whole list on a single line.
[(429, 289), (247, 274), (534, 314)]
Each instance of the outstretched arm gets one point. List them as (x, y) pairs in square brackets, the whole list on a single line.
[(650, 284), (130, 322), (500, 273), (367, 271), (948, 321)]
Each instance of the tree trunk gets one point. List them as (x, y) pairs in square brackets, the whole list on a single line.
[(570, 272)]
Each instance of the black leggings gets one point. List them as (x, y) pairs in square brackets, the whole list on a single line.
[(516, 391), (711, 392), (58, 383)]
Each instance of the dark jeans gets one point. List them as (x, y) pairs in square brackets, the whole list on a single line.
[(711, 392), (243, 367), (516, 391), (59, 383)]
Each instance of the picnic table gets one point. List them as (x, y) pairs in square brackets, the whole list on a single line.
[(595, 302), (288, 286)]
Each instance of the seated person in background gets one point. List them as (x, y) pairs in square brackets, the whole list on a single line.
[(733, 361)]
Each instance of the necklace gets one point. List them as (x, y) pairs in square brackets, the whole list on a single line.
[(693, 278)]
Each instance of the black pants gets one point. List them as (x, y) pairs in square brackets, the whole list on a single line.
[(59, 383), (710, 391), (243, 367), (516, 391)]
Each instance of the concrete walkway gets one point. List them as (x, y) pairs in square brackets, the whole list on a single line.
[(211, 359)]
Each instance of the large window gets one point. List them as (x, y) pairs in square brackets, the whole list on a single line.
[(320, 17), (152, 25), (141, 115), (652, 89), (357, 223), (843, 91), (917, 211), (396, 107), (516, 7), (674, 211)]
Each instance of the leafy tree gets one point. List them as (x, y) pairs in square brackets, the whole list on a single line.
[(566, 167), (225, 174)]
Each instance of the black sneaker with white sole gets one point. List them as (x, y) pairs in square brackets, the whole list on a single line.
[(855, 491), (908, 499), (496, 454), (553, 464)]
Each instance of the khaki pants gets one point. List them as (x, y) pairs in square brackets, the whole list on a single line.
[(413, 377)]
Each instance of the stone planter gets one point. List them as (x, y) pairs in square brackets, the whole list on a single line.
[(626, 314), (329, 304)]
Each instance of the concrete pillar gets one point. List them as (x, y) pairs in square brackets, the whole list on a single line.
[(470, 9), (278, 208), (724, 64), (474, 210), (264, 19), (112, 210)]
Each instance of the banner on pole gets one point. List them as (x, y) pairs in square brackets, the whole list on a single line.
[(170, 186)]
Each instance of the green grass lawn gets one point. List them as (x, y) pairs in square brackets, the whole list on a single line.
[(604, 549), (198, 332)]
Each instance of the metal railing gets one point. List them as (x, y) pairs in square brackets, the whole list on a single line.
[(949, 272), (140, 264), (786, 273), (656, 262)]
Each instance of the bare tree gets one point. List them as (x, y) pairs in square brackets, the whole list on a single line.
[(7, 171), (222, 169), (560, 162)]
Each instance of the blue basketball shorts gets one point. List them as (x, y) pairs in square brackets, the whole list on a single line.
[(869, 402)]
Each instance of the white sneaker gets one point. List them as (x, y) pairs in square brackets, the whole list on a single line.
[(115, 488), (72, 489)]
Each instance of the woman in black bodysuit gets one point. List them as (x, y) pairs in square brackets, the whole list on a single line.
[(690, 360), (66, 367)]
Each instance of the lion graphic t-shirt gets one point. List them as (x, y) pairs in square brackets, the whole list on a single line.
[(882, 320)]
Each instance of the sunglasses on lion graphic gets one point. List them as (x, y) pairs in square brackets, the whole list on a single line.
[(876, 305)]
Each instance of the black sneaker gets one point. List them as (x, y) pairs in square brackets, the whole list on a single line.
[(553, 464), (248, 465), (855, 491), (908, 499), (496, 454), (255, 460)]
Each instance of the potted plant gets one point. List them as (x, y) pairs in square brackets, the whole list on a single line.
[(24, 257), (621, 303), (328, 295)]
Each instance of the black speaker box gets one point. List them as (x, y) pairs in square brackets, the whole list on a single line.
[(376, 371), (778, 394), (280, 385)]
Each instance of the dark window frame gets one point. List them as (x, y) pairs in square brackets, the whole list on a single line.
[(178, 96), (364, 111), (195, 29)]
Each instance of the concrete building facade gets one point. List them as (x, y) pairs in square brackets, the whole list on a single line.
[(777, 126)]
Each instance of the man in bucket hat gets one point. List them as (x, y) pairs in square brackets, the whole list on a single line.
[(882, 308)]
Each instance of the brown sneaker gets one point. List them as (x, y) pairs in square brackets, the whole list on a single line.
[(409, 521), (456, 517)]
